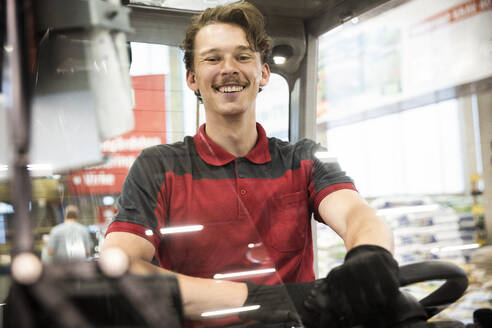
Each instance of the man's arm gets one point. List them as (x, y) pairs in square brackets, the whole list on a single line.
[(367, 282), (349, 215), (198, 295), (87, 243), (51, 244)]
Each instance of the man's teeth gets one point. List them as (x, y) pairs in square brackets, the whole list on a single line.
[(231, 88)]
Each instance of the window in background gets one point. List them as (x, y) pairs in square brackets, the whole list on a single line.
[(373, 79), (272, 107), (395, 107), (413, 152)]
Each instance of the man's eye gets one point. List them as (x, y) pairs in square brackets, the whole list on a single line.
[(211, 59), (244, 57)]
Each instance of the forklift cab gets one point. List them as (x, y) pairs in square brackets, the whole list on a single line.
[(89, 84)]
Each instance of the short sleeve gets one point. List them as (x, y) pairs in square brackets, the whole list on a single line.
[(326, 176), (51, 239), (140, 206)]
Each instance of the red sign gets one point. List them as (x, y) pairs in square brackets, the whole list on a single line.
[(452, 15), (150, 121)]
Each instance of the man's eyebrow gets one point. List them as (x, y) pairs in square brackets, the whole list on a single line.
[(208, 51), (243, 48), (215, 50)]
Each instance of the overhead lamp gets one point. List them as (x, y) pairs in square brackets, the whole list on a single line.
[(108, 200), (281, 53)]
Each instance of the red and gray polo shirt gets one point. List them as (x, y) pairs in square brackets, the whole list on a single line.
[(240, 214)]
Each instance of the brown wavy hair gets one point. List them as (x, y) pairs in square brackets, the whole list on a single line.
[(242, 14)]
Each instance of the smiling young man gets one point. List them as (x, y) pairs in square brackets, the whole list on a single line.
[(228, 73), (248, 198)]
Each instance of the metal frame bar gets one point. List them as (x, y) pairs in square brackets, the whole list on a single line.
[(18, 102)]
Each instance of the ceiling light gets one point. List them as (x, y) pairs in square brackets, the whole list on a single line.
[(39, 167), (108, 200), (279, 60), (281, 54)]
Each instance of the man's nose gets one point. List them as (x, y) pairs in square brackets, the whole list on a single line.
[(229, 65)]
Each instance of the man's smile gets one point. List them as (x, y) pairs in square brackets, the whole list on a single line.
[(230, 88)]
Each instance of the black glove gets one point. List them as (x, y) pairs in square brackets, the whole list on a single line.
[(281, 304), (358, 291)]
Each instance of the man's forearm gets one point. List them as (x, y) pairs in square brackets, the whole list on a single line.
[(365, 227), (349, 215), (199, 295)]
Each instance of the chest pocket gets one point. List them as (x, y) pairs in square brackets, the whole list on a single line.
[(288, 219)]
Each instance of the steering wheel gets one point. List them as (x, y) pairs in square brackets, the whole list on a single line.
[(405, 311), (451, 290)]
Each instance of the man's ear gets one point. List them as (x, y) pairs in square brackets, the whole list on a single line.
[(191, 80), (265, 75)]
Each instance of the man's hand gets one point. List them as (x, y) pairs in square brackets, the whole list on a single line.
[(281, 304), (360, 290)]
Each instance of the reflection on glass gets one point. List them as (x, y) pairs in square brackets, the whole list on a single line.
[(408, 209), (40, 167), (230, 311), (166, 231), (453, 248), (243, 273)]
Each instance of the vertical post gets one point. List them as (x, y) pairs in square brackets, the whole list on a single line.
[(484, 101), (303, 95), (310, 107), (176, 110), (303, 110), (18, 100)]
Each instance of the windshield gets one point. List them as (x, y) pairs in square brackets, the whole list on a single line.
[(204, 211), (141, 186)]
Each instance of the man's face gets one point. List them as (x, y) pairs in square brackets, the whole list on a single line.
[(227, 72)]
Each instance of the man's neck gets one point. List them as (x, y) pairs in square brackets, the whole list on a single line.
[(237, 137)]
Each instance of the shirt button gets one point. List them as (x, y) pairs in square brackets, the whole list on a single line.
[(243, 192)]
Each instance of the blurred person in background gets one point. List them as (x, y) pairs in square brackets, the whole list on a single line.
[(69, 240)]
